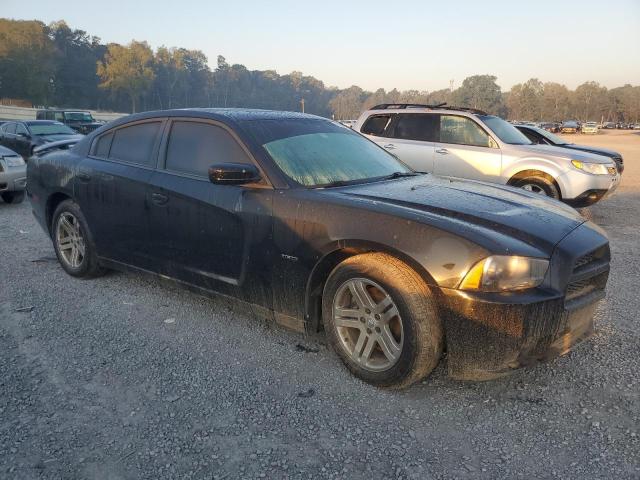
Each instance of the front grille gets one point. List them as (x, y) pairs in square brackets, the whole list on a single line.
[(589, 276)]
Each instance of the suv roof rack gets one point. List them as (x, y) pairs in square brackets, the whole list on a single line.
[(443, 106)]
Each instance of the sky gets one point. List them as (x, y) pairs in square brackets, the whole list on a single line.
[(411, 44)]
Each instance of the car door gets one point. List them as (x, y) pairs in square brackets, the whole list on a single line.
[(210, 235), (7, 134), (466, 150), (22, 140), (412, 138), (111, 187)]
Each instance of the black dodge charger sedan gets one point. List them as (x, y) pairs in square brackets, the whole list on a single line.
[(25, 137), (319, 228)]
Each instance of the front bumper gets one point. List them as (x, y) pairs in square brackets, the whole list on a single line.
[(583, 189), (13, 179), (488, 335)]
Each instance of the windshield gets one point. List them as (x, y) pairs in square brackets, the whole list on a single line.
[(320, 153), (504, 130), (51, 129), (557, 140), (78, 117)]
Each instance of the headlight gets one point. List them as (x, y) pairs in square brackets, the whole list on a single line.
[(503, 272), (14, 161), (593, 168)]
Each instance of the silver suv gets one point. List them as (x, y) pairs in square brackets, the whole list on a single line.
[(471, 144), (13, 176)]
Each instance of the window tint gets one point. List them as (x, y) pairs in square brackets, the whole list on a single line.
[(417, 126), (193, 147), (21, 129), (102, 145), (375, 125), (462, 131), (530, 135), (40, 116), (59, 116), (135, 143), (50, 116), (10, 128)]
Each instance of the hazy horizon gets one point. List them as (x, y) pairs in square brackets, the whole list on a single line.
[(370, 45)]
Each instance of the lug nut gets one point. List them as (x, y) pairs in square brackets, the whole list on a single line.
[(378, 329), (362, 319)]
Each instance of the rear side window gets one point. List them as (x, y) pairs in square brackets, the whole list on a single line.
[(417, 126), (462, 131), (193, 147), (376, 125), (21, 129), (135, 143), (10, 128), (102, 146)]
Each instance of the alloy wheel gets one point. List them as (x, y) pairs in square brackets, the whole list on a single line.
[(532, 187), (69, 240), (368, 324)]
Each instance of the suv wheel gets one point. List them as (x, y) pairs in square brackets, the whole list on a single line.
[(539, 185), (381, 320), (72, 242), (13, 197)]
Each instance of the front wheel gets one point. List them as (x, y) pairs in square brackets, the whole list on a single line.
[(72, 242), (381, 320), (13, 197), (539, 185)]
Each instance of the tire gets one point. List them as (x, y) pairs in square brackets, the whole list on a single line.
[(74, 236), (414, 324), (539, 185), (13, 197)]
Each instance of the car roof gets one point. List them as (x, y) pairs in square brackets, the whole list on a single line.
[(42, 122), (420, 108)]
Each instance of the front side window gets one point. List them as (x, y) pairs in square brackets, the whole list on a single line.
[(58, 117), (376, 125), (135, 143), (417, 126), (463, 131), (10, 128), (21, 130), (193, 147), (317, 153)]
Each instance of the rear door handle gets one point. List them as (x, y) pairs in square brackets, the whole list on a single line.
[(159, 198), (390, 146), (442, 151), (83, 177)]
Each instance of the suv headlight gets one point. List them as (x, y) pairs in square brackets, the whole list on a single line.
[(14, 161), (593, 168), (500, 273)]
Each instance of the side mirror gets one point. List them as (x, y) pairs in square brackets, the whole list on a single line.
[(24, 135), (233, 174)]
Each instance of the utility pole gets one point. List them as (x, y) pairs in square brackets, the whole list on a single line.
[(302, 104)]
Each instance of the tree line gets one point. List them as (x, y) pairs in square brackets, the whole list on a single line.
[(55, 65)]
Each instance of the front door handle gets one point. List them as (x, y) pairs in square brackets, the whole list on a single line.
[(390, 146), (83, 177), (159, 198), (442, 151)]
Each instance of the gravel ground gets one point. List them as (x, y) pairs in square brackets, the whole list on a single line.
[(131, 377)]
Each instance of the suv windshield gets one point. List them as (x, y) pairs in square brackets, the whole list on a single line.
[(504, 130), (51, 129), (78, 117), (317, 153)]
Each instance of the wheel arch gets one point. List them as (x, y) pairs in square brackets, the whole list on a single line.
[(334, 255), (533, 172), (53, 201)]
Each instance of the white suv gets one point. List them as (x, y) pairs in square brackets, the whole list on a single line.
[(471, 144)]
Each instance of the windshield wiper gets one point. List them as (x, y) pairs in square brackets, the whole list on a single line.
[(400, 175)]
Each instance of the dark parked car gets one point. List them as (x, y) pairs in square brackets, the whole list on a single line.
[(320, 228), (570, 127), (24, 137), (81, 121), (609, 125), (13, 176), (542, 137), (549, 127)]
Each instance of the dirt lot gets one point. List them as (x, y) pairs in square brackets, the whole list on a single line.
[(125, 377)]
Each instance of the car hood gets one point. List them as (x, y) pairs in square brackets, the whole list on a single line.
[(57, 137), (596, 150), (531, 218), (561, 152), (7, 152)]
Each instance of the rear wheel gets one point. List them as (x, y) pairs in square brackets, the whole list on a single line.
[(539, 185), (13, 197), (72, 242), (381, 320)]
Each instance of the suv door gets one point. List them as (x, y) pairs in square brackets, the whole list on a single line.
[(110, 188), (214, 236), (466, 150), (412, 139)]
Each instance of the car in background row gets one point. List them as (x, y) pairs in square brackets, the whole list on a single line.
[(13, 176), (635, 126), (570, 126), (24, 137), (589, 127), (277, 208), (542, 137), (471, 144), (552, 127), (80, 121), (609, 125)]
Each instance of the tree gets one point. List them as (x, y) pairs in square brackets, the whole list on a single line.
[(348, 103), (481, 92), (555, 102), (127, 69), (591, 101)]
